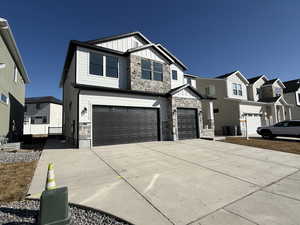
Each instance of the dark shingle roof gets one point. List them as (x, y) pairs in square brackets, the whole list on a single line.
[(252, 80), (269, 100), (44, 99), (226, 75), (271, 81), (291, 85)]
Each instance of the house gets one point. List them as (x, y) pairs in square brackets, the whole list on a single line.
[(292, 96), (43, 116), (245, 104), (13, 78), (124, 89)]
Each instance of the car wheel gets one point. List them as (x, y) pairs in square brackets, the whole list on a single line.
[(267, 134)]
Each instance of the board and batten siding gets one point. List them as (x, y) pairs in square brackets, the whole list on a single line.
[(89, 98), (55, 115), (193, 81), (180, 76), (149, 54), (122, 44), (185, 93), (84, 77)]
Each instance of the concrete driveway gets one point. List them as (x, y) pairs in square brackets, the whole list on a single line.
[(184, 182)]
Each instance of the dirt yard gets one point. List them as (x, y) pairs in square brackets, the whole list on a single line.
[(277, 144), (15, 179)]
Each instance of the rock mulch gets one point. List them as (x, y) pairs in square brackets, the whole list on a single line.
[(14, 157), (26, 212)]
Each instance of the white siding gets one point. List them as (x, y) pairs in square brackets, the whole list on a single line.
[(55, 115), (193, 81), (83, 76), (149, 54), (122, 44), (236, 79), (253, 92), (185, 93), (180, 76)]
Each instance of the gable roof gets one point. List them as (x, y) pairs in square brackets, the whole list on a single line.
[(273, 81), (172, 56), (190, 75), (253, 80), (44, 99), (115, 37), (11, 45), (273, 100), (131, 50), (291, 86), (180, 88), (226, 75)]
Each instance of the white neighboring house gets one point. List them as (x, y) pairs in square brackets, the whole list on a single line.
[(245, 103), (43, 116), (292, 96), (125, 89)]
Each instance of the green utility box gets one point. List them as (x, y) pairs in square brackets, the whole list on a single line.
[(54, 207)]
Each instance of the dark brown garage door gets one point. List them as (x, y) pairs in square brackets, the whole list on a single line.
[(120, 125), (187, 123)]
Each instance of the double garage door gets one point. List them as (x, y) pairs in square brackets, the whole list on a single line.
[(120, 125)]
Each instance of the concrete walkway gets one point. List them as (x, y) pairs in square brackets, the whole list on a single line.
[(184, 182)]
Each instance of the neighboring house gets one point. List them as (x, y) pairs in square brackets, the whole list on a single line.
[(13, 78), (292, 96), (43, 116), (245, 103), (124, 89)]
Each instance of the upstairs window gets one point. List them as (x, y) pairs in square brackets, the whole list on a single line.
[(157, 71), (189, 81), (112, 66), (96, 64), (38, 106), (4, 99), (210, 90), (146, 69), (237, 89), (258, 91), (174, 75), (39, 120), (277, 92)]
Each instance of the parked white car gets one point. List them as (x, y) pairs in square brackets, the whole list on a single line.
[(289, 128)]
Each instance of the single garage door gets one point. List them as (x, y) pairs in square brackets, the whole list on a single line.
[(120, 125), (253, 122), (187, 123)]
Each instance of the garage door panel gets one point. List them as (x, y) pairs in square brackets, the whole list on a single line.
[(119, 125), (187, 123)]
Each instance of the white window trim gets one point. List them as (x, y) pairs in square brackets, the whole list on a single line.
[(104, 67), (238, 88)]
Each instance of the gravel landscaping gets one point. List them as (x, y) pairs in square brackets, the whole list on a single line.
[(26, 212), (14, 157)]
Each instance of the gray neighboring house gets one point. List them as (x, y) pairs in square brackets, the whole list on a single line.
[(292, 96), (13, 78), (124, 89)]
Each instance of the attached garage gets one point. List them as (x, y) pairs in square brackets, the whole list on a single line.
[(253, 122), (187, 123), (120, 125)]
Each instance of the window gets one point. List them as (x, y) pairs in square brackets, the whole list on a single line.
[(38, 106), (294, 124), (299, 97), (237, 89), (189, 80), (258, 90), (4, 99), (39, 120), (277, 91), (157, 71), (216, 110), (174, 75), (210, 90), (146, 69), (25, 108), (96, 64), (16, 75), (112, 68)]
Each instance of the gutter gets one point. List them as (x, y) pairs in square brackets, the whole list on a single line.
[(11, 45)]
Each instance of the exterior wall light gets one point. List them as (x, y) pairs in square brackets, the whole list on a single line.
[(2, 65)]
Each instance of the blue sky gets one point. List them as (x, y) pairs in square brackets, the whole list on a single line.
[(211, 37)]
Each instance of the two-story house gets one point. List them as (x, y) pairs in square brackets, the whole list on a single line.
[(244, 104), (43, 116), (13, 78), (124, 89), (292, 96)]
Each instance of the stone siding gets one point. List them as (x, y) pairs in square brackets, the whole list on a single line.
[(139, 84)]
